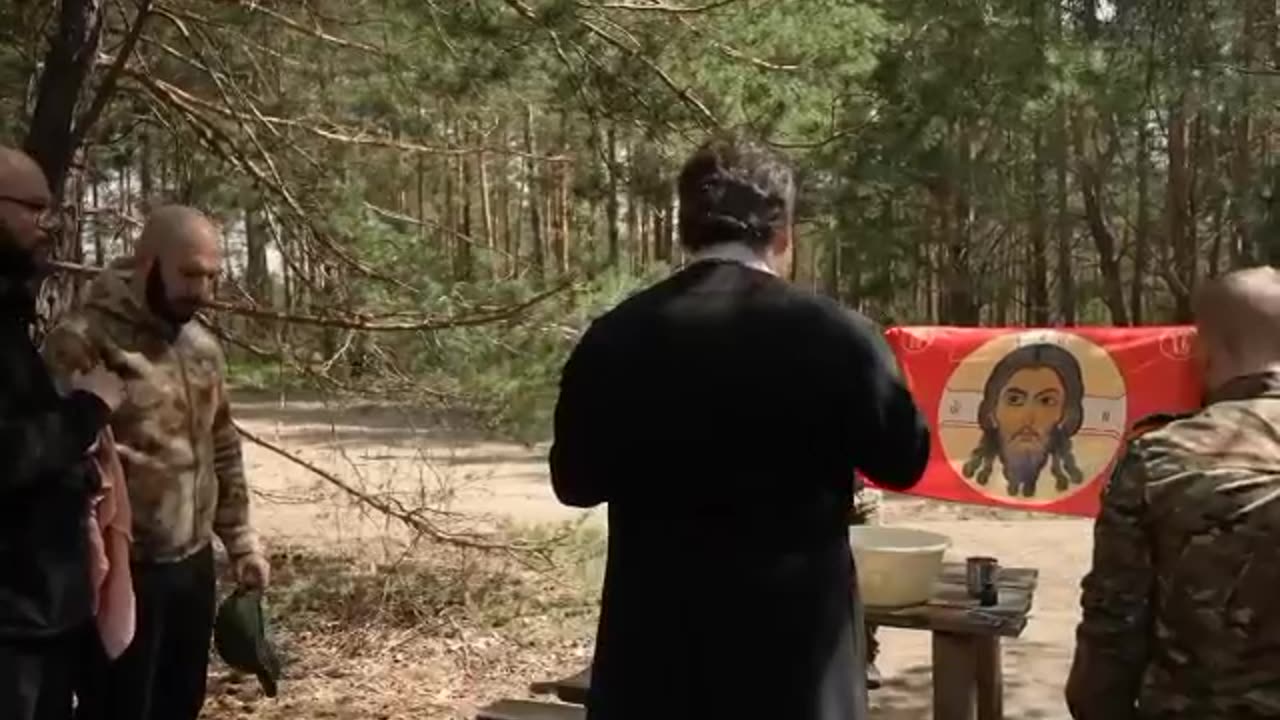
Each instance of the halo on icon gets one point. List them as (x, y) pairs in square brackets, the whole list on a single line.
[(1033, 418)]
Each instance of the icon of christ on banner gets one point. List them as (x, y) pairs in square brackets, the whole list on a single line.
[(1032, 405), (1033, 417)]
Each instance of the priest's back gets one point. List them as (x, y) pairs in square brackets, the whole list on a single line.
[(721, 414)]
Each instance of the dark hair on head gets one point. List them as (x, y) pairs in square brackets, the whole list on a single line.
[(1046, 355), (734, 190)]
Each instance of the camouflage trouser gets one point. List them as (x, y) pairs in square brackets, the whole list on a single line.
[(866, 511)]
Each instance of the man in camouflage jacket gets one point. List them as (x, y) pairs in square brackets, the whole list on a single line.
[(1180, 618), (181, 456)]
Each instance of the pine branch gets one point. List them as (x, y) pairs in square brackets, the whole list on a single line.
[(222, 145), (354, 321), (735, 53), (258, 7), (686, 96), (330, 131), (658, 7), (106, 90), (423, 222)]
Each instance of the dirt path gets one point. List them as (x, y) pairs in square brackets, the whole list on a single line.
[(388, 451)]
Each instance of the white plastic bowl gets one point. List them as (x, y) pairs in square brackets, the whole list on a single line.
[(896, 566)]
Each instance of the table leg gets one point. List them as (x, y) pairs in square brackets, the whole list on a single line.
[(990, 678), (954, 676)]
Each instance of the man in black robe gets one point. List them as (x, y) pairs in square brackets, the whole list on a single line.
[(721, 414), (47, 481)]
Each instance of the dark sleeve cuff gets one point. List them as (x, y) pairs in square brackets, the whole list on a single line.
[(87, 414)]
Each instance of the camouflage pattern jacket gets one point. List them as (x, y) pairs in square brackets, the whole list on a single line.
[(181, 452), (1180, 618)]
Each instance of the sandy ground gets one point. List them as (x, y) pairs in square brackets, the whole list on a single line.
[(378, 451)]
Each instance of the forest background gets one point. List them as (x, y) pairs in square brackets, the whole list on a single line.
[(425, 201), (386, 169)]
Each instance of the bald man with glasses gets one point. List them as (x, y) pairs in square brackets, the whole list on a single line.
[(46, 477)]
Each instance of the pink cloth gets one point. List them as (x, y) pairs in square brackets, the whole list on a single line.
[(110, 534)]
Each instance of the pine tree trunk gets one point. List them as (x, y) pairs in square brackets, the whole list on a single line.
[(1037, 246), (961, 303), (465, 270), (1142, 233), (449, 228), (486, 212), (257, 277), (144, 170), (634, 235), (611, 202), (421, 178), (1104, 240), (1062, 225), (1176, 211), (533, 189), (510, 246), (126, 202), (99, 250), (566, 216)]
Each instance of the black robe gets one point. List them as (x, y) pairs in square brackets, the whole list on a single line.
[(721, 414), (45, 485)]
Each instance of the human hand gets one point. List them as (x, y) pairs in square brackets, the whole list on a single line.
[(252, 571), (103, 383)]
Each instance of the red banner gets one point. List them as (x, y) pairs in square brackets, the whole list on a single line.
[(1034, 419)]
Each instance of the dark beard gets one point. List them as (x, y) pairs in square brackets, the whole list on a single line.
[(16, 264), (1022, 469), (158, 300)]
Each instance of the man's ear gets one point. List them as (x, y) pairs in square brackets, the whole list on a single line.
[(782, 240), (782, 252)]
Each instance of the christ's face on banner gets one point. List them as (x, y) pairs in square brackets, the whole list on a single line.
[(1032, 404), (1034, 417), (1028, 411)]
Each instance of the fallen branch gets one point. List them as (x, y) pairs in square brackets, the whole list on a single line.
[(413, 519)]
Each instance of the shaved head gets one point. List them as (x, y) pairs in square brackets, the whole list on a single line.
[(1238, 323), (21, 177), (177, 261), (25, 218), (175, 229)]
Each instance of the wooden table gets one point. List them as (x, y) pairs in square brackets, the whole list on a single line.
[(968, 677)]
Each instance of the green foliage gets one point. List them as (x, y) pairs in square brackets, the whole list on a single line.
[(512, 370), (402, 157)]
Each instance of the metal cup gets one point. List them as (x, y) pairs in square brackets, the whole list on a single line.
[(980, 579)]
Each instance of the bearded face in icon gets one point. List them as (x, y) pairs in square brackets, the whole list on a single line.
[(1032, 405)]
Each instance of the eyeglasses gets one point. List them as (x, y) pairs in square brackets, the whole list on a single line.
[(47, 218)]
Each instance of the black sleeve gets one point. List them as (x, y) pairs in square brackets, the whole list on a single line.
[(889, 433), (46, 441), (581, 451)]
